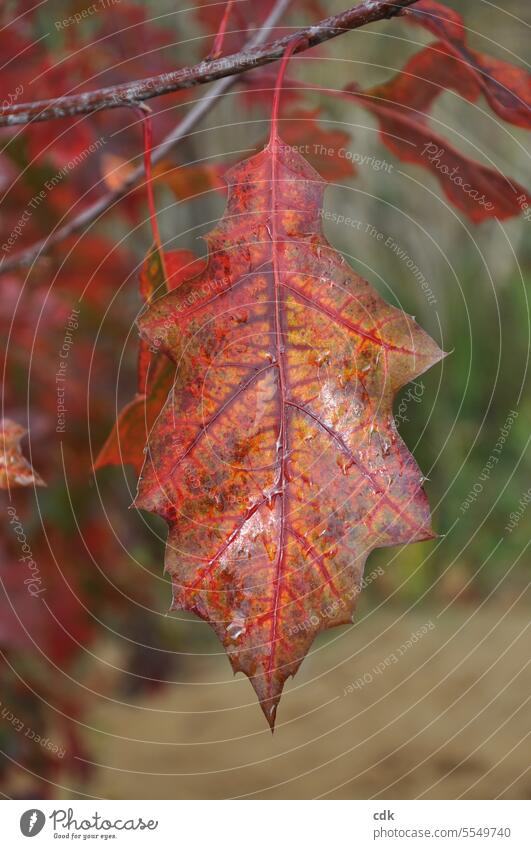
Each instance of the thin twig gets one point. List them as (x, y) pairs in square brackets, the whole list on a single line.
[(205, 72)]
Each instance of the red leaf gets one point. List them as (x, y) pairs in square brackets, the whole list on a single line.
[(14, 468), (164, 271), (506, 87), (327, 150), (180, 266), (275, 460), (437, 18), (160, 273), (125, 443), (479, 191)]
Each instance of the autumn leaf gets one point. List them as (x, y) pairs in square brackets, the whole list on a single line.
[(506, 87), (162, 271), (425, 77), (275, 460), (185, 181), (15, 470)]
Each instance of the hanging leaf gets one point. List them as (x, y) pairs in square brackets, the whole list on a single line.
[(275, 460), (506, 87), (14, 468)]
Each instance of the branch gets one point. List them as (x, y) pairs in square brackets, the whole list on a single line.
[(205, 72), (192, 118)]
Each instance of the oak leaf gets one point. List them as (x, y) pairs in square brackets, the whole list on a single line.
[(41, 607), (185, 181), (275, 460)]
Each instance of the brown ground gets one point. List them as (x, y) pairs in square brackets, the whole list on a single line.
[(448, 719)]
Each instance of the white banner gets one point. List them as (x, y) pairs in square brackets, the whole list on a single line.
[(267, 824)]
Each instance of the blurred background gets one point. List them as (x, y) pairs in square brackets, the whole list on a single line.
[(102, 692)]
